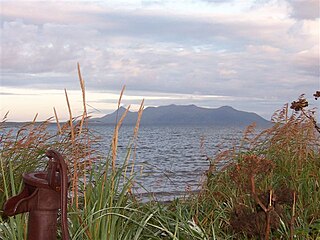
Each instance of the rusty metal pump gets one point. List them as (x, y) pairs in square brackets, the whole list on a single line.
[(44, 193)]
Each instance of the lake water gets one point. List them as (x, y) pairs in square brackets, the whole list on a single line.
[(171, 160)]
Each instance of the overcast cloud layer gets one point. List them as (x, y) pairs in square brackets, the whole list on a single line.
[(253, 55)]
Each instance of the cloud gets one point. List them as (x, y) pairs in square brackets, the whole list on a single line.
[(8, 94), (4, 93), (305, 9), (61, 12), (256, 49), (218, 1), (307, 62)]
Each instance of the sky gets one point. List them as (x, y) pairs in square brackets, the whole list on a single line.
[(253, 55)]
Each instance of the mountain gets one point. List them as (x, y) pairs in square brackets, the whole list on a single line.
[(186, 115)]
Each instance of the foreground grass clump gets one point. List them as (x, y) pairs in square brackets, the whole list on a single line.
[(101, 204), (270, 187)]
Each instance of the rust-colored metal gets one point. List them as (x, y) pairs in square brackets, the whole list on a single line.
[(44, 193)]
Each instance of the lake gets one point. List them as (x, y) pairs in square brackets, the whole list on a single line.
[(171, 159)]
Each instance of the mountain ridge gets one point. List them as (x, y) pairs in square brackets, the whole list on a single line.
[(186, 115)]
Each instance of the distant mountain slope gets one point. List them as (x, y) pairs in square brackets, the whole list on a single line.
[(186, 115)]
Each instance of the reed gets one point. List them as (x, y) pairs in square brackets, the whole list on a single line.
[(267, 189), (102, 205), (135, 136), (23, 150)]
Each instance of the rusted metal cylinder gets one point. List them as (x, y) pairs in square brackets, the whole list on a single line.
[(42, 225), (44, 193)]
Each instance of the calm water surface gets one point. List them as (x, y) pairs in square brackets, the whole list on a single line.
[(171, 160)]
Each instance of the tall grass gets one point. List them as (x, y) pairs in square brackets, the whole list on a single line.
[(22, 149), (101, 204), (268, 187)]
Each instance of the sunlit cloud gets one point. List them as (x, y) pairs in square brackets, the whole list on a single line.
[(237, 52)]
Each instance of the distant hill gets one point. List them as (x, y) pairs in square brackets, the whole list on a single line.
[(186, 115)]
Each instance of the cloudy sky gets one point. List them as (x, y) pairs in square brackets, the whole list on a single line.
[(254, 55)]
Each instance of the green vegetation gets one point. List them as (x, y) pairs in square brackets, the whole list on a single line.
[(270, 186), (268, 189)]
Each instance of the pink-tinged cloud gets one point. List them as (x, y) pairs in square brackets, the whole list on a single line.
[(256, 49)]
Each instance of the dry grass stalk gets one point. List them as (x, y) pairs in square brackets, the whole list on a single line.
[(83, 90), (83, 118), (293, 216), (135, 135), (75, 167), (114, 145), (70, 116), (248, 133), (281, 115), (57, 120), (121, 94), (119, 102), (5, 116), (268, 217), (136, 129), (35, 118)]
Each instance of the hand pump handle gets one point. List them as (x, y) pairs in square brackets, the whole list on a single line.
[(58, 165)]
